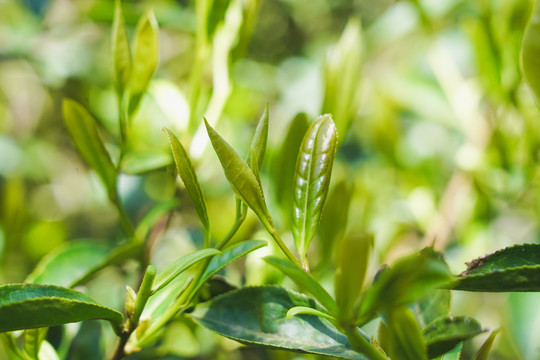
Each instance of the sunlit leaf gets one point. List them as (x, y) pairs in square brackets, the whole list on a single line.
[(258, 144), (68, 265), (306, 281), (483, 352), (189, 177), (312, 179), (443, 334), (145, 58), (404, 339), (257, 315), (179, 266), (84, 133), (515, 268), (242, 179), (28, 306), (120, 50)]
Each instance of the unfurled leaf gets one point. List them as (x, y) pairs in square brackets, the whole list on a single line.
[(189, 177), (242, 179), (352, 262), (120, 50), (530, 52), (28, 306), (257, 315), (443, 334), (306, 281), (483, 352), (230, 255), (145, 58), (179, 266), (404, 339), (311, 180), (408, 279), (33, 338), (515, 268), (68, 265), (302, 310), (84, 133)]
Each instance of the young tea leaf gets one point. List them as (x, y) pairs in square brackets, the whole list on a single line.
[(258, 145), (120, 50), (189, 177), (483, 352), (306, 281), (404, 339), (145, 58), (443, 334), (29, 306), (515, 268), (179, 266), (84, 133), (257, 315), (311, 180), (242, 179)]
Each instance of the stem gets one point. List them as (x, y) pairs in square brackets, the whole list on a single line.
[(361, 345), (273, 232)]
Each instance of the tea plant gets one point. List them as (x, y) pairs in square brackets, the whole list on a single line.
[(408, 301)]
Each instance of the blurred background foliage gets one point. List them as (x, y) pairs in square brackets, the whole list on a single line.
[(439, 138)]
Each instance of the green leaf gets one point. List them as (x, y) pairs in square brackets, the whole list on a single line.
[(283, 164), (84, 133), (306, 281), (530, 52), (242, 179), (311, 180), (408, 279), (120, 50), (342, 76), (152, 217), (28, 306), (215, 16), (257, 315), (352, 263), (515, 268), (145, 58), (33, 339), (302, 310), (444, 334), (434, 306), (258, 144), (404, 339), (68, 265), (483, 352), (189, 177), (179, 266), (228, 256)]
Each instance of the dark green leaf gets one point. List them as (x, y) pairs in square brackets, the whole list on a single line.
[(83, 131), (312, 179), (28, 306), (68, 265), (408, 279), (530, 52), (120, 50), (515, 268), (434, 306), (404, 339), (257, 315), (444, 334), (145, 58), (306, 281), (242, 179), (179, 266), (189, 177)]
